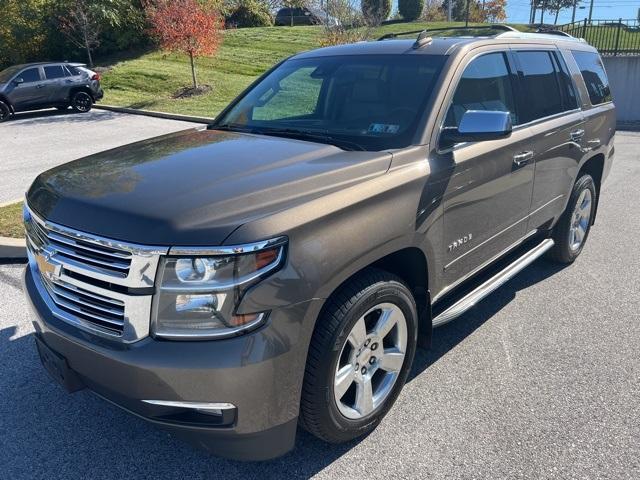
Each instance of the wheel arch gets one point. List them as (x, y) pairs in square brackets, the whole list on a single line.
[(411, 265), (4, 99), (82, 88), (594, 166)]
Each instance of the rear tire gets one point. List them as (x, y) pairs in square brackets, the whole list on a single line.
[(571, 232), (5, 111), (359, 357), (81, 102)]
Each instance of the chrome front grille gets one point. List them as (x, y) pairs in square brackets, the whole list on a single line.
[(96, 284), (80, 252), (104, 312)]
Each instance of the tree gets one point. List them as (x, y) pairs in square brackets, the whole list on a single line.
[(410, 9), (83, 21), (186, 26), (459, 10), (494, 11), (248, 13), (291, 4), (557, 5), (375, 11)]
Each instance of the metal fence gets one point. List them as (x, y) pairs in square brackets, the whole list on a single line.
[(610, 37)]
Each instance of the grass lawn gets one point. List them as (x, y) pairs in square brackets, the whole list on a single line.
[(149, 81), (11, 221)]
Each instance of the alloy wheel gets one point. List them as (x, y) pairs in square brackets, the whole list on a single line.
[(580, 220), (370, 361), (82, 102)]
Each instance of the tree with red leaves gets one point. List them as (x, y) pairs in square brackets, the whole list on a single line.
[(188, 26)]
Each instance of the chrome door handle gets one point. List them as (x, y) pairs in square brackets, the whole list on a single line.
[(593, 144), (40, 86), (522, 158), (577, 135)]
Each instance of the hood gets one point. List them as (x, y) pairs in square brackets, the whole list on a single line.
[(194, 187)]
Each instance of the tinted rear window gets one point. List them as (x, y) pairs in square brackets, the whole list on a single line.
[(594, 76), (541, 82), (54, 71)]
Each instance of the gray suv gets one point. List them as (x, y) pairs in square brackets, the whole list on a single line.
[(35, 86), (280, 267)]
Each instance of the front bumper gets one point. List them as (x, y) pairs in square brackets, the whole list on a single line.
[(259, 373)]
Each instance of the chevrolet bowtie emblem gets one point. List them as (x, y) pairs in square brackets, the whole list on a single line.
[(47, 268)]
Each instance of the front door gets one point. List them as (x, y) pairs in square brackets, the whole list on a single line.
[(488, 196), (28, 89)]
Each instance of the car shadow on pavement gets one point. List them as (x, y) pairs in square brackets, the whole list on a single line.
[(51, 117), (47, 433), (446, 337)]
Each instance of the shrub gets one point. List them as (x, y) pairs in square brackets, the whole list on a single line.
[(249, 13), (410, 9), (376, 11)]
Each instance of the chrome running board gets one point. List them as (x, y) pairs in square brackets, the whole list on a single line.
[(499, 279)]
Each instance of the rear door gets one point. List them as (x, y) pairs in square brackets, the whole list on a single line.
[(551, 109), (30, 92), (54, 81), (487, 198)]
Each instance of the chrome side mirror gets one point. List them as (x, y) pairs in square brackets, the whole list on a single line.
[(478, 126)]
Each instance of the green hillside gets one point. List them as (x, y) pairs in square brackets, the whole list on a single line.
[(151, 80)]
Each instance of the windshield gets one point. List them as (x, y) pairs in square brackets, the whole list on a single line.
[(364, 102), (8, 73)]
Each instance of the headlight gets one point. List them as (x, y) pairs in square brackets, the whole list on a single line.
[(198, 295)]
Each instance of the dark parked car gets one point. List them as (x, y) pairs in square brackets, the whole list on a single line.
[(280, 267), (303, 16), (35, 86)]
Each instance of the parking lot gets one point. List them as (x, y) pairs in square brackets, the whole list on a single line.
[(540, 380), (36, 141)]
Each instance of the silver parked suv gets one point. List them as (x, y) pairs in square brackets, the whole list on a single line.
[(280, 267), (35, 86)]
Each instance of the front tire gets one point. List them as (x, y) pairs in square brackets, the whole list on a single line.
[(81, 102), (571, 232), (360, 355), (5, 111)]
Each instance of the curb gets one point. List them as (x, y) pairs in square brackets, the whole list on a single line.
[(6, 204), (151, 113), (13, 248)]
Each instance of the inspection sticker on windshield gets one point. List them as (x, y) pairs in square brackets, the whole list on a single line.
[(383, 128)]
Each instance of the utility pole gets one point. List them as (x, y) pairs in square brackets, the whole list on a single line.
[(544, 6), (449, 10), (573, 14), (590, 11)]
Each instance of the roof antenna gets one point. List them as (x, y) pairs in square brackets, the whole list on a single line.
[(422, 40)]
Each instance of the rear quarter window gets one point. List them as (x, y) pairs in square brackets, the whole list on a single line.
[(594, 75)]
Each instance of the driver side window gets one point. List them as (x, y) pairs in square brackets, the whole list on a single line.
[(30, 75), (484, 85)]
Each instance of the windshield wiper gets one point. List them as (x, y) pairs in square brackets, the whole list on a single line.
[(230, 127), (320, 137), (307, 135)]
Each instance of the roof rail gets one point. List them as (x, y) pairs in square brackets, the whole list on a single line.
[(496, 26), (554, 32)]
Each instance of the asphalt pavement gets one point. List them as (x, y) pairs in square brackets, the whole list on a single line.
[(541, 380), (33, 142)]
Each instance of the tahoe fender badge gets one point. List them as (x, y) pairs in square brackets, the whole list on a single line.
[(461, 241)]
